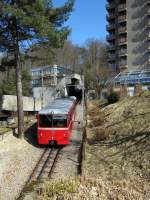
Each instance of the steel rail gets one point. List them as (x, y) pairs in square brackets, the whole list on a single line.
[(33, 176), (54, 162), (44, 165)]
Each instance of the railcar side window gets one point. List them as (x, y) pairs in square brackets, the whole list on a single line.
[(52, 121)]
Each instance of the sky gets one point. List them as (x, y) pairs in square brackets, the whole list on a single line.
[(87, 21)]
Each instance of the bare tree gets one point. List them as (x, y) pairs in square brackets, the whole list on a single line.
[(68, 55), (96, 65), (90, 59)]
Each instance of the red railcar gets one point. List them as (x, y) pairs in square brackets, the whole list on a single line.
[(55, 121)]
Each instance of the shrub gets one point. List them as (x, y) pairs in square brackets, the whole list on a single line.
[(113, 97), (101, 133), (97, 120)]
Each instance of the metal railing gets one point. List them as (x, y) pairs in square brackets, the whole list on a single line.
[(122, 52), (110, 6), (110, 26), (110, 37), (133, 77), (122, 41), (122, 18), (122, 29), (122, 7), (110, 16)]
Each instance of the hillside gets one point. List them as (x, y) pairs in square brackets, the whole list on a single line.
[(118, 149)]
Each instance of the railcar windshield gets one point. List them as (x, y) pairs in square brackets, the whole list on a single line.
[(47, 121)]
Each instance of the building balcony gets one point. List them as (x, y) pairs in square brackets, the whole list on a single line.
[(110, 6), (148, 24), (111, 57), (122, 30), (122, 52), (147, 2), (148, 49), (110, 17), (111, 48), (39, 75), (110, 27), (122, 18), (148, 64), (122, 7), (111, 37), (48, 82), (123, 66), (36, 83), (122, 41)]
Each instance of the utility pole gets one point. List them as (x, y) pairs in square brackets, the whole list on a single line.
[(55, 74), (42, 99), (83, 98)]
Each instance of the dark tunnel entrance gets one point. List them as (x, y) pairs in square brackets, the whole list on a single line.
[(73, 89)]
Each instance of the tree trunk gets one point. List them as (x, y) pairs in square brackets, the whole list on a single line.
[(19, 101), (20, 113)]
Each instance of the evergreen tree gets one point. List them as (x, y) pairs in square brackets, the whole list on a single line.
[(30, 20), (9, 85)]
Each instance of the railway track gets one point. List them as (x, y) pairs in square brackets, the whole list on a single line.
[(44, 168)]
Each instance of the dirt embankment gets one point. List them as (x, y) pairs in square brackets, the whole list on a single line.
[(118, 147)]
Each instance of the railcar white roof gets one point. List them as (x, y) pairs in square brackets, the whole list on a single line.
[(58, 106)]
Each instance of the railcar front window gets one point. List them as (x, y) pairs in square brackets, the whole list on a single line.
[(59, 123), (47, 121)]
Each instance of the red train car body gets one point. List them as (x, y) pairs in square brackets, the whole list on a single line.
[(55, 121)]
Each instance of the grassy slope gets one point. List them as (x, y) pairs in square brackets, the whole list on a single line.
[(118, 148)]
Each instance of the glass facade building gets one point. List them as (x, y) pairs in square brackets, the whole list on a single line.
[(133, 78)]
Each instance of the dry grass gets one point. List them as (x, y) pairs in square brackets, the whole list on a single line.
[(4, 130), (91, 189), (57, 189), (119, 149), (130, 115), (98, 120)]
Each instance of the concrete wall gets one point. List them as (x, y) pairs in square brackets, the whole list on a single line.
[(43, 94), (9, 103), (130, 91), (137, 34)]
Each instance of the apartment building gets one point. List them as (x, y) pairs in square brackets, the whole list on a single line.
[(128, 34)]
